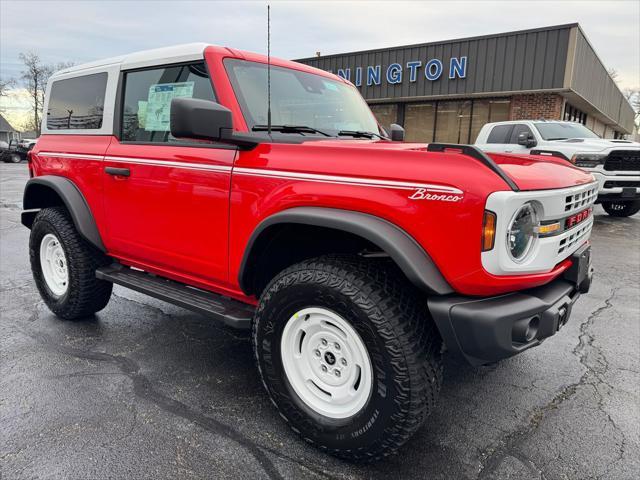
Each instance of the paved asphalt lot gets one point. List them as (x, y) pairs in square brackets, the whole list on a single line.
[(149, 390)]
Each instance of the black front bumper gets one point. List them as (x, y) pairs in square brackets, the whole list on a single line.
[(485, 330)]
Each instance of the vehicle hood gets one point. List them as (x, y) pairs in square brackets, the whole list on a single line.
[(527, 171), (593, 144), (536, 173)]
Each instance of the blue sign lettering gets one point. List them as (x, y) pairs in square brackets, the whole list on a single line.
[(458, 67), (373, 75), (433, 70), (345, 73), (394, 73), (413, 70), (358, 76)]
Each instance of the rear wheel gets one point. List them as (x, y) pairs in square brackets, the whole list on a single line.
[(348, 355), (64, 265), (622, 208)]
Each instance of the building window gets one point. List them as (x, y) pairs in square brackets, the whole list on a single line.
[(485, 111), (419, 120), (452, 122), (386, 114), (572, 114)]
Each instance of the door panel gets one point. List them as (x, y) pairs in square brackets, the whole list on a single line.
[(167, 199), (172, 211)]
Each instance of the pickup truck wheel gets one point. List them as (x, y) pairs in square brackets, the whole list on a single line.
[(348, 355), (64, 265), (622, 209), (15, 158)]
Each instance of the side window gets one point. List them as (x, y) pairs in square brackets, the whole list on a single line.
[(77, 103), (517, 130), (500, 134), (147, 100)]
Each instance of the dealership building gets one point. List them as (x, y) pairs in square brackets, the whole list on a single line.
[(446, 91)]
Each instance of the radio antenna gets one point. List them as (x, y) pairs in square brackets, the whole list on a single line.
[(269, 69)]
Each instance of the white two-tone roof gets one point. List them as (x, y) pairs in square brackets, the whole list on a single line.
[(145, 58), (112, 67)]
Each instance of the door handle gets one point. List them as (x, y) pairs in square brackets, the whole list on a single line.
[(120, 172)]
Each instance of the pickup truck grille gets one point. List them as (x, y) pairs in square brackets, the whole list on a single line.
[(623, 160), (582, 198), (618, 184)]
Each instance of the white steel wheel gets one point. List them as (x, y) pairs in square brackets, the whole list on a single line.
[(53, 263), (326, 363)]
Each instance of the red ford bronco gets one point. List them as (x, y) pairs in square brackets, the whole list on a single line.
[(353, 257)]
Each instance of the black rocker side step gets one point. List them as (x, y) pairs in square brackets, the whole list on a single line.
[(231, 312)]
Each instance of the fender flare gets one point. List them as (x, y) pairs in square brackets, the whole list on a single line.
[(77, 206), (410, 257)]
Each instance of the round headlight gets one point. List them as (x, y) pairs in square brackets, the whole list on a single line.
[(521, 233)]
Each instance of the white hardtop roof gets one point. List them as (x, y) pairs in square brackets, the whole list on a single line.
[(177, 53)]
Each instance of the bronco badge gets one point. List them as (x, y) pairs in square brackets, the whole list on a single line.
[(424, 194)]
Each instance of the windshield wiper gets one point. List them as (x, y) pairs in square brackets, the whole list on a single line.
[(289, 129), (559, 138), (359, 134)]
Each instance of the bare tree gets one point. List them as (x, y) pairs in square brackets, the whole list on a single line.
[(633, 97), (5, 85), (35, 76), (613, 73)]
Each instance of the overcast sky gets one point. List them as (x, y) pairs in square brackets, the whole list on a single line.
[(80, 31)]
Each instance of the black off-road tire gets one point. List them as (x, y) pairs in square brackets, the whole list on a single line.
[(402, 341), (85, 294), (622, 209)]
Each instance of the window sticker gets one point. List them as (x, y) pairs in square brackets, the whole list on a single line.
[(159, 104), (142, 113)]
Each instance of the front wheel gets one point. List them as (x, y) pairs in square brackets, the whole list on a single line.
[(348, 355), (64, 265), (622, 208)]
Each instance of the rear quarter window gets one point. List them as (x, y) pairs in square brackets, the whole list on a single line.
[(77, 103), (500, 134)]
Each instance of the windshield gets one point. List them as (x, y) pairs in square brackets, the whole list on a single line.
[(564, 131), (298, 98)]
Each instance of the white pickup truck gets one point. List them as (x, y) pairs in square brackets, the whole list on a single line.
[(614, 163)]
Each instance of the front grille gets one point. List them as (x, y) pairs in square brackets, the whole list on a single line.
[(580, 199), (623, 160), (615, 184), (575, 236)]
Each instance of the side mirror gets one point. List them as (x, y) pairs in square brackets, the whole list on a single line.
[(527, 140), (397, 132), (205, 120)]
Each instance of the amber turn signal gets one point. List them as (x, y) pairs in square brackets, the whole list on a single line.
[(488, 230), (548, 229)]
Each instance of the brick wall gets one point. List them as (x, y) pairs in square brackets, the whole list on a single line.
[(536, 106)]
